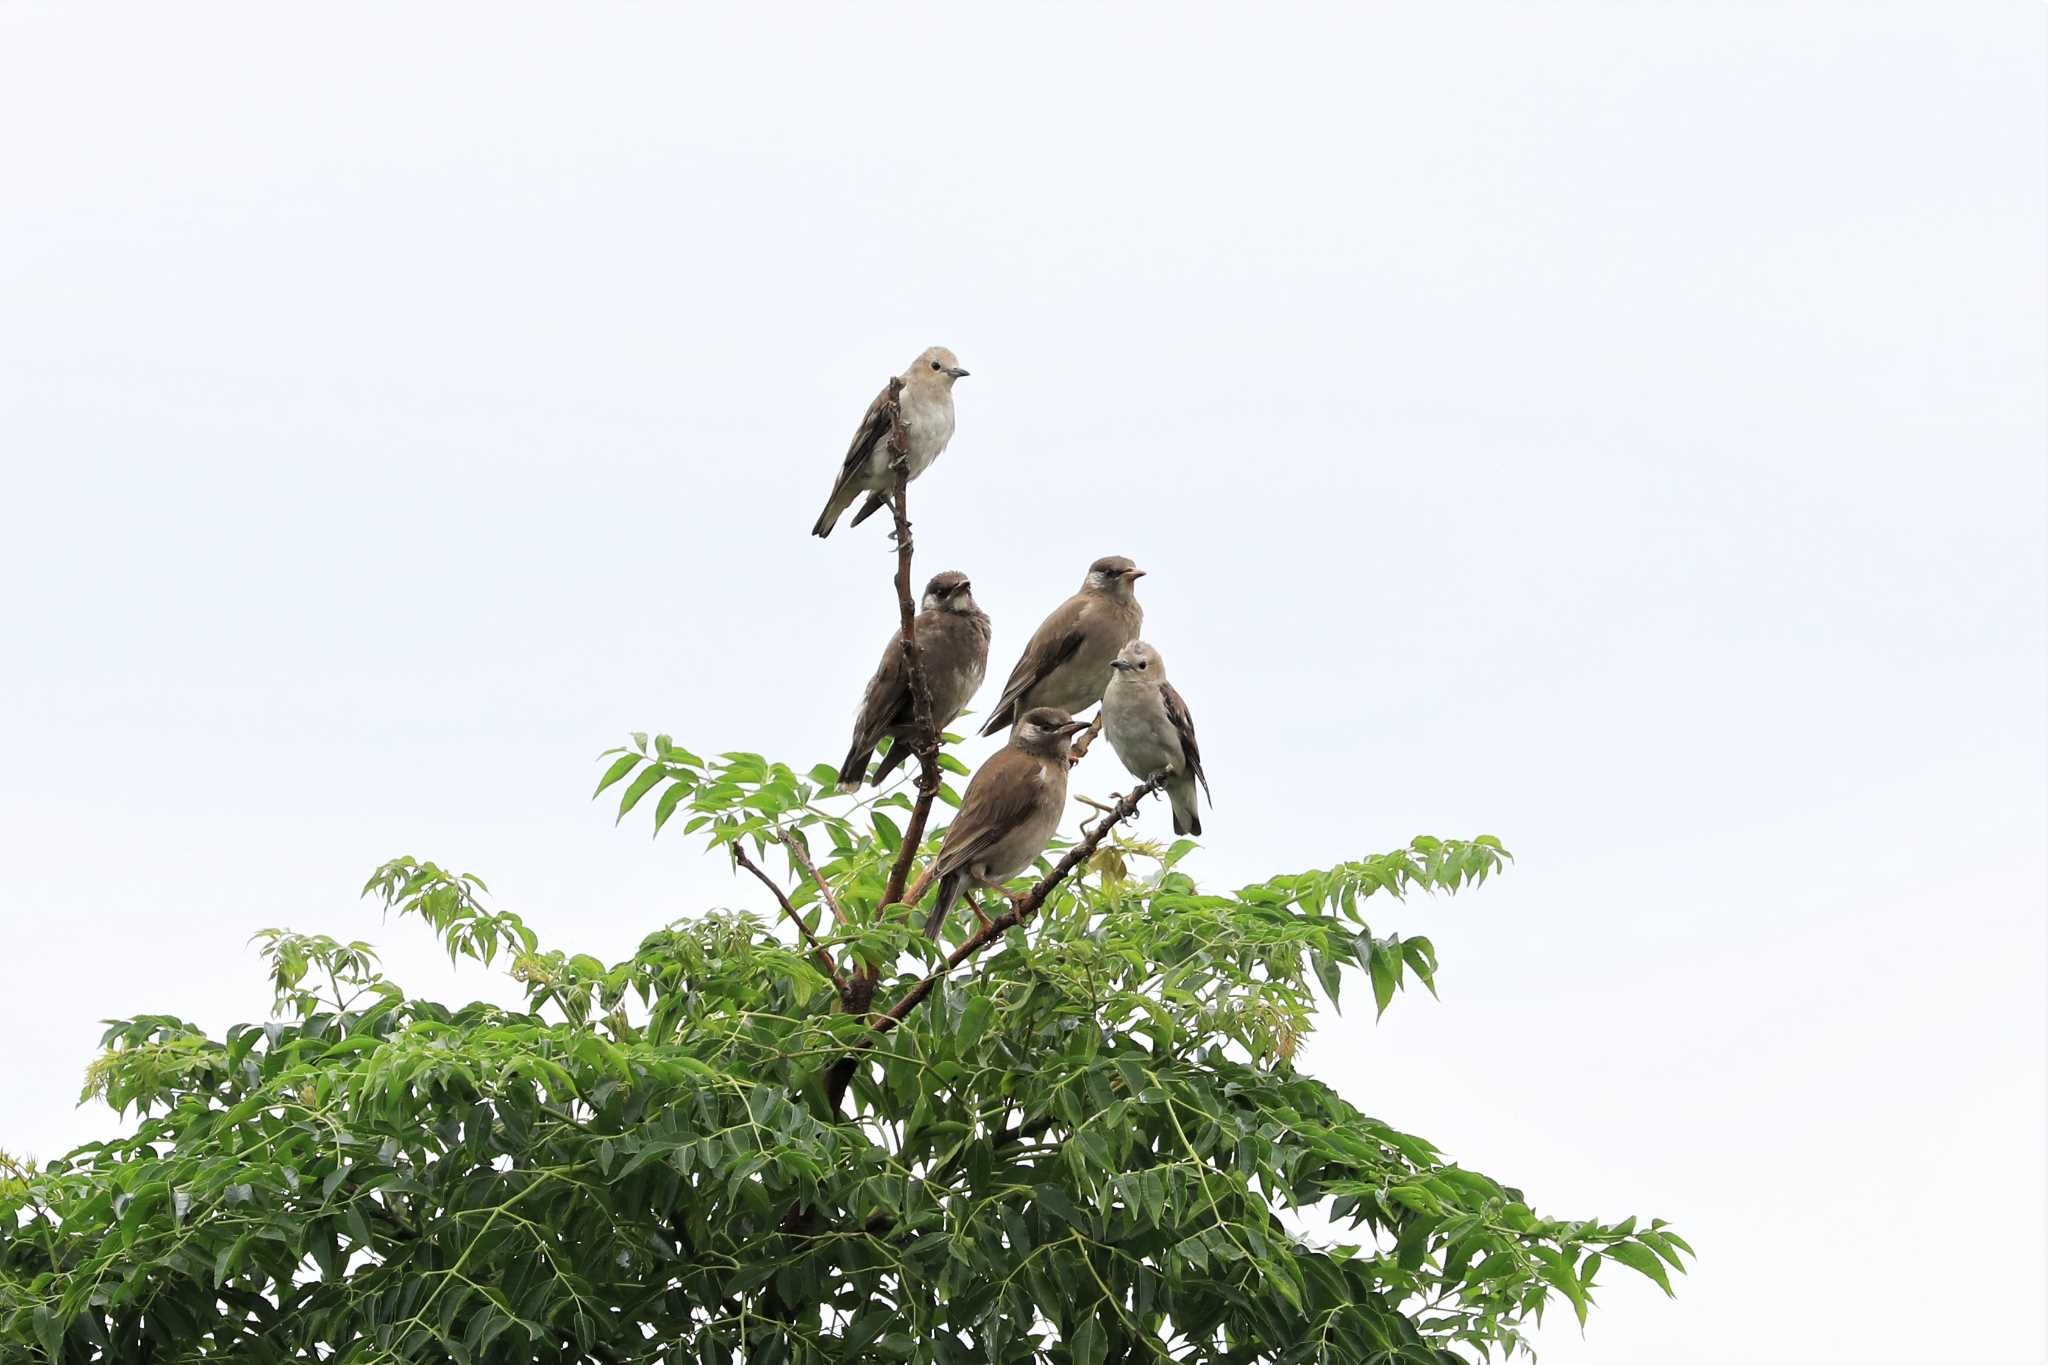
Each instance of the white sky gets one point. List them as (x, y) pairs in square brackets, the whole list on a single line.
[(1619, 430)]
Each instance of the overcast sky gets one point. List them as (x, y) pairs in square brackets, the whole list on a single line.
[(1618, 429)]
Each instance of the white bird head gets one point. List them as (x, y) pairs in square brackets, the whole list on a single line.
[(936, 365), (1141, 662)]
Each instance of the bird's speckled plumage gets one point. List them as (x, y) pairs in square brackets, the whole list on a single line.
[(1010, 811), (952, 638), (1149, 727), (1066, 665), (925, 408)]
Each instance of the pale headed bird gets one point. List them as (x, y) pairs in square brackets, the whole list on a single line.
[(1066, 665), (925, 411), (1149, 727), (1012, 807), (952, 639)]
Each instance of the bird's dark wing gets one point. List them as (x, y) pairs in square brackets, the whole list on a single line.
[(887, 691), (1057, 640), (873, 430), (1001, 795), (1184, 726)]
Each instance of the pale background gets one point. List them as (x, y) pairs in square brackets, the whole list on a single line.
[(1619, 430)]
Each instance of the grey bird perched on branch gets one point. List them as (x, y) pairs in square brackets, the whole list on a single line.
[(1149, 727), (1066, 665), (1009, 813), (952, 639), (925, 411)]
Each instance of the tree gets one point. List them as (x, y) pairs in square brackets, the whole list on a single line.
[(1073, 1134)]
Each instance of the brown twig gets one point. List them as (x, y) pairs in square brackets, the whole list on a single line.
[(1022, 911), (1085, 738), (817, 949), (802, 857)]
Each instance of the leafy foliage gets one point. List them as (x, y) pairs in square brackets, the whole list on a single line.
[(1087, 1144)]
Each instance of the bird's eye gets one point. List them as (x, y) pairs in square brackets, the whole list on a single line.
[(1142, 664), (935, 364)]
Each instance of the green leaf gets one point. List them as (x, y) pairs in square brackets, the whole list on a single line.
[(1089, 1345), (1386, 974), (1643, 1259), (618, 770), (973, 1022), (670, 799), (641, 785)]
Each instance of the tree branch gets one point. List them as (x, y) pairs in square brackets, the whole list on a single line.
[(817, 950), (802, 858), (1022, 911)]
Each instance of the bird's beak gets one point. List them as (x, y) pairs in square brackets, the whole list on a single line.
[(1071, 726), (1134, 574), (957, 372), (1120, 665)]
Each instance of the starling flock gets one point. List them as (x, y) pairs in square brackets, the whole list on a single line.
[(1086, 651)]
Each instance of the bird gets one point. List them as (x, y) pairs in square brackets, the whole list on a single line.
[(925, 412), (1012, 806), (1149, 727), (1066, 665), (952, 638)]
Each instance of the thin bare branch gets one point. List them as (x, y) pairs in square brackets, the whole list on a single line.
[(824, 959), (802, 856)]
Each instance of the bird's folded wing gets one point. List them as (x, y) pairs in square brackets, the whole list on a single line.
[(1184, 726), (874, 428), (1057, 641), (886, 694), (998, 800)]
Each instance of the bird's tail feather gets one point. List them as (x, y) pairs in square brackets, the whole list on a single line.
[(949, 891), (855, 769), (835, 507), (875, 503), (1187, 818), (899, 749)]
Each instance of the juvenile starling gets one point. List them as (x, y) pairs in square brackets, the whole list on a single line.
[(1066, 665), (926, 410), (952, 638), (1012, 806), (1149, 727)]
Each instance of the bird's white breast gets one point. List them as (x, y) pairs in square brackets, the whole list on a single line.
[(927, 413)]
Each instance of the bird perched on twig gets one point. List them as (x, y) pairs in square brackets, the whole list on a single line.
[(1149, 727), (952, 639), (924, 410), (1066, 665), (1010, 811)]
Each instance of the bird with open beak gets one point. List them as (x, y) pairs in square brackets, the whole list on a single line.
[(1012, 807), (952, 639), (925, 411), (1066, 665), (1149, 727)]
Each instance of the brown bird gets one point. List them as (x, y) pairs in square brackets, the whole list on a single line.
[(952, 637), (925, 409), (1009, 813), (1066, 665), (1149, 727)]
